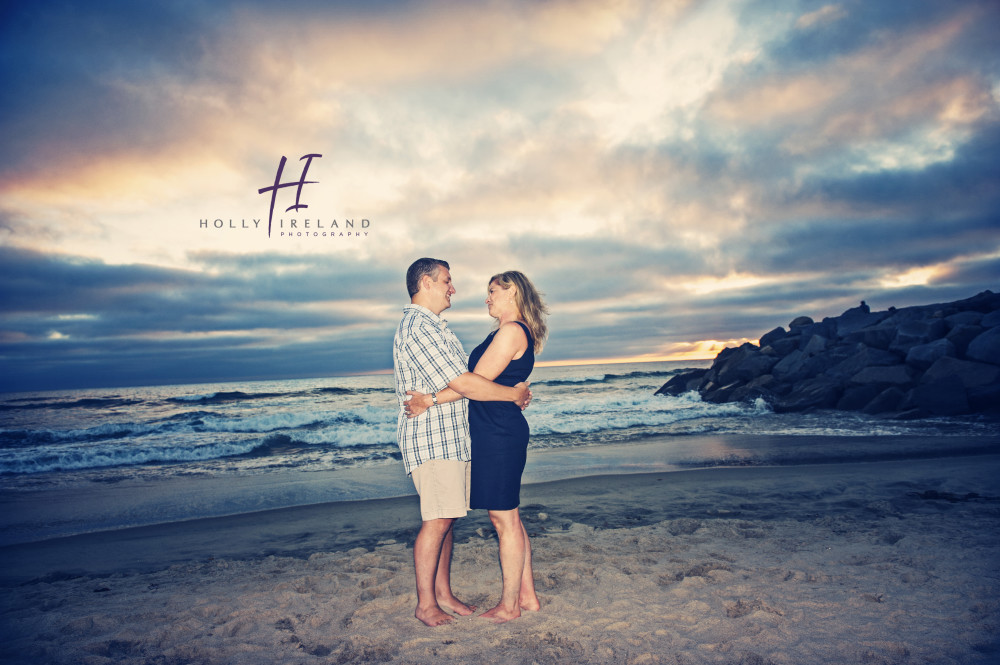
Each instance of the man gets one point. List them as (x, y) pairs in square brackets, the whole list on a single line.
[(427, 357)]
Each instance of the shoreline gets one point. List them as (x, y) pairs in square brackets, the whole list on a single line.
[(86, 506), (45, 506), (367, 523)]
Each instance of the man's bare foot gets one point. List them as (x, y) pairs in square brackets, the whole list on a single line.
[(433, 616), (530, 604), (499, 614), (455, 605)]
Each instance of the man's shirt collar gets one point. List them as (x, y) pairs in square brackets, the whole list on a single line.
[(427, 312)]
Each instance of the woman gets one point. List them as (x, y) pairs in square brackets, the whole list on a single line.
[(500, 432)]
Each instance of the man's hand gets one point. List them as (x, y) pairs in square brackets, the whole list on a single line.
[(417, 403), (524, 398)]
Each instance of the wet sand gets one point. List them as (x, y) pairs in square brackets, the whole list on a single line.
[(874, 563)]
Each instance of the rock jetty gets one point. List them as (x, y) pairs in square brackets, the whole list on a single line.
[(913, 362)]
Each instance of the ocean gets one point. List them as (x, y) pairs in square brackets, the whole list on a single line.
[(84, 460)]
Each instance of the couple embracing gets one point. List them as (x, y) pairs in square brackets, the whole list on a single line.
[(456, 408)]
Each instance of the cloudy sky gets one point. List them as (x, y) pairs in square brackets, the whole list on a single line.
[(675, 176)]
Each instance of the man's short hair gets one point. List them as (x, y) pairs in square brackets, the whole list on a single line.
[(421, 267)]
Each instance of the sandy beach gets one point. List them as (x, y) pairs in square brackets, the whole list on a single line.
[(870, 563)]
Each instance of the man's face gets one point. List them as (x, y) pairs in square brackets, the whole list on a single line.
[(440, 290)]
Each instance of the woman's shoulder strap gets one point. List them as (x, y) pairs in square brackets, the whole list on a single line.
[(527, 332)]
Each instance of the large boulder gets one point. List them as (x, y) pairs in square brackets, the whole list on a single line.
[(816, 344), (774, 335), (886, 401), (861, 356), (714, 392), (991, 320), (819, 392), (857, 318), (961, 335), (924, 355), (885, 376), (827, 329), (743, 365), (856, 398), (986, 347), (791, 367), (914, 333), (782, 347), (761, 386), (984, 399), (969, 318), (682, 383), (969, 373), (879, 336), (943, 397)]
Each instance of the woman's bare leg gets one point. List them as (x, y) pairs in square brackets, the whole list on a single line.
[(511, 533), (527, 598)]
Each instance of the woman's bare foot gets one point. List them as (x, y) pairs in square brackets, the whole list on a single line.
[(531, 604), (433, 616), (500, 614), (455, 605)]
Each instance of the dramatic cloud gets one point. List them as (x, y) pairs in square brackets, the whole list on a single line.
[(675, 176)]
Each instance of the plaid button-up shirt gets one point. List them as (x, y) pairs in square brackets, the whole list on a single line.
[(426, 356)]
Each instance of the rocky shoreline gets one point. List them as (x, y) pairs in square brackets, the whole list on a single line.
[(913, 362)]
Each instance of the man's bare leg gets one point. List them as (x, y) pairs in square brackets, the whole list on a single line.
[(528, 599), (427, 550), (511, 534), (442, 587)]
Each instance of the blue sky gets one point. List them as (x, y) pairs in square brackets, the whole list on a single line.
[(676, 177)]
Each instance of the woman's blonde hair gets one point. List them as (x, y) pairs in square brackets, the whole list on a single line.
[(529, 303)]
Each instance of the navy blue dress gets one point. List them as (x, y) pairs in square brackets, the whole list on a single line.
[(499, 436)]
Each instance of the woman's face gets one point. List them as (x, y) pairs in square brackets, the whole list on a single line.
[(500, 301)]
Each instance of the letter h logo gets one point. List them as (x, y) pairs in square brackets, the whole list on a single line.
[(297, 183)]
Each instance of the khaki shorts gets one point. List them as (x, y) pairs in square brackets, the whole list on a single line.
[(443, 486)]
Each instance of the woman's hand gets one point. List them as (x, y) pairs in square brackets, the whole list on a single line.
[(527, 400), (417, 404)]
